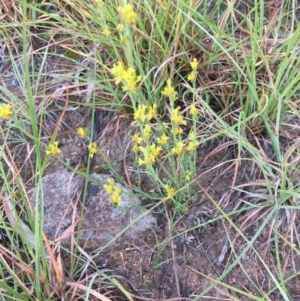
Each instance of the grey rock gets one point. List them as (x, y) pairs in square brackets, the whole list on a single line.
[(90, 217)]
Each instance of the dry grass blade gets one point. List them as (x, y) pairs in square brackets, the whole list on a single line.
[(56, 268), (80, 288)]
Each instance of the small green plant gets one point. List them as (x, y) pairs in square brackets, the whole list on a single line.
[(159, 142)]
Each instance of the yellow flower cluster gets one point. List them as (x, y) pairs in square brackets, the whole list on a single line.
[(127, 17), (106, 32), (113, 191), (120, 27), (146, 132), (169, 90), (177, 118), (193, 75), (144, 113), (125, 76), (178, 149), (163, 139), (5, 111), (92, 146), (127, 13), (187, 146), (193, 143), (150, 154), (82, 132), (193, 111), (170, 191), (53, 149), (157, 140), (93, 149)]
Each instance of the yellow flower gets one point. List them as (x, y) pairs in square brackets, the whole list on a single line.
[(93, 149), (120, 27), (130, 80), (169, 90), (146, 132), (194, 64), (178, 149), (135, 148), (128, 14), (163, 139), (152, 112), (192, 76), (126, 76), (170, 191), (188, 175), (113, 191), (5, 111), (106, 32), (192, 135), (176, 118), (142, 162), (109, 186), (118, 71), (148, 157), (108, 189), (155, 150), (116, 196), (150, 154), (81, 132), (53, 149), (111, 182), (178, 131), (140, 113), (137, 138), (193, 111), (192, 145)]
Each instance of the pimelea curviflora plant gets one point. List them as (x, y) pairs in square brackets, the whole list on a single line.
[(165, 140), (169, 143)]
